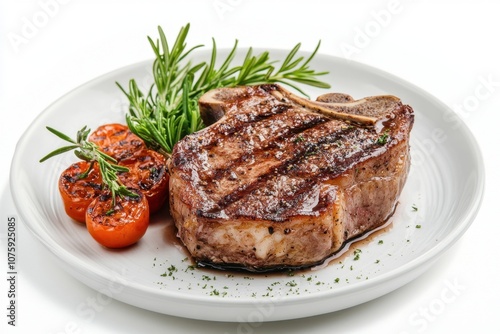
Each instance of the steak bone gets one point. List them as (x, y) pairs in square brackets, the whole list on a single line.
[(365, 111)]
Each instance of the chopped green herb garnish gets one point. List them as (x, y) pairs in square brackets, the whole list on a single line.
[(383, 138), (298, 139), (356, 254)]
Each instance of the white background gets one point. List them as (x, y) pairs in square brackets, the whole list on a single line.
[(449, 48)]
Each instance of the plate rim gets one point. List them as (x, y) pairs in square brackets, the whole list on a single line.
[(460, 227)]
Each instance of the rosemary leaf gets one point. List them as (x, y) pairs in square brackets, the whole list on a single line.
[(59, 151)]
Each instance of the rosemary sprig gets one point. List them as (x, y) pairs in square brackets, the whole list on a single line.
[(169, 110), (90, 152)]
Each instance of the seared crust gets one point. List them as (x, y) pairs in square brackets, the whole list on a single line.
[(274, 184)]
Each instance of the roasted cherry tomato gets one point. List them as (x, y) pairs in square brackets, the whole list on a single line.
[(117, 141), (119, 225), (148, 172), (79, 189)]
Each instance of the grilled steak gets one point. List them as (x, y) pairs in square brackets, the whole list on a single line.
[(278, 181)]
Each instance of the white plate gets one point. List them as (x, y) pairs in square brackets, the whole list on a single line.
[(445, 186)]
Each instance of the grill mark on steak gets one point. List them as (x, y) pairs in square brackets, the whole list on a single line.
[(272, 143), (330, 155), (242, 120), (309, 167), (288, 163)]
